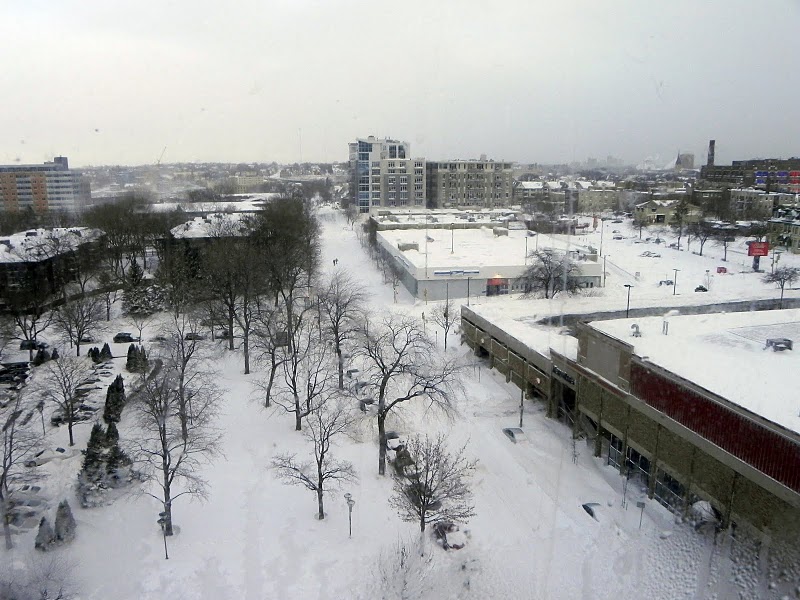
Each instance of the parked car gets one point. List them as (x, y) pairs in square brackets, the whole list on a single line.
[(701, 288), (124, 338), (448, 535), (617, 221), (515, 434), (616, 231), (618, 237), (87, 339), (194, 336), (32, 345), (45, 456)]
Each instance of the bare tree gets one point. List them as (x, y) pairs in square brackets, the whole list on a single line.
[(445, 316), (435, 487), (43, 577), (168, 449), (679, 217), (251, 293), (19, 441), (342, 305), (181, 357), (401, 364), (140, 321), (62, 378), (288, 233), (723, 236), (702, 231), (6, 332), (325, 423), (79, 318), (782, 276), (269, 336), (31, 319), (549, 274), (223, 267), (308, 372)]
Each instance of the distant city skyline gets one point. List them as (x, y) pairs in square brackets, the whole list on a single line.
[(294, 81)]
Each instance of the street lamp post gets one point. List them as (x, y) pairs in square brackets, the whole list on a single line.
[(604, 270), (350, 504), (468, 291), (602, 228), (526, 248), (628, 307), (162, 520), (675, 282)]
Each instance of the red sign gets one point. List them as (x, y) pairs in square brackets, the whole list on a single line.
[(758, 249)]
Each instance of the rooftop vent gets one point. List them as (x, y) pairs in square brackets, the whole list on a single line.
[(636, 332)]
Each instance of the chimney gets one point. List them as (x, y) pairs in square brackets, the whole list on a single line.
[(711, 153)]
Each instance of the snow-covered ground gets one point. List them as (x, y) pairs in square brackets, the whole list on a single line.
[(256, 538)]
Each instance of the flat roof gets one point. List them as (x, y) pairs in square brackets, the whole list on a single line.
[(726, 353), (473, 247), (517, 317)]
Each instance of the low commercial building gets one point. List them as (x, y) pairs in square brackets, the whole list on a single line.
[(448, 261), (695, 408)]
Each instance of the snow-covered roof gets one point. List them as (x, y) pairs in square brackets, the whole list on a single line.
[(474, 247), (246, 203), (727, 354), (531, 185), (212, 225), (518, 316), (39, 244)]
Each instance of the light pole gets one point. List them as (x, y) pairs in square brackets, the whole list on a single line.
[(468, 291), (162, 520), (604, 270), (602, 228), (526, 248), (350, 504), (675, 282), (628, 307)]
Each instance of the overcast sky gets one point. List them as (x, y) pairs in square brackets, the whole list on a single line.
[(288, 80)]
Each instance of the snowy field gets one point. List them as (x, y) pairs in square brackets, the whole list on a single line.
[(257, 539)]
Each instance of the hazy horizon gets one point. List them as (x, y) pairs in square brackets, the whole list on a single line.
[(295, 81)]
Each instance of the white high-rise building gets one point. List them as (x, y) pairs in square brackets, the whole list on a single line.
[(383, 174)]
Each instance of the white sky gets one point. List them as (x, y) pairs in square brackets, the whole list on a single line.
[(525, 80)]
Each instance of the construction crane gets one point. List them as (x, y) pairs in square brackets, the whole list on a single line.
[(158, 174), (158, 162)]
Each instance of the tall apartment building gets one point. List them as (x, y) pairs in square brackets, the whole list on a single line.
[(383, 174), (470, 183), (49, 186)]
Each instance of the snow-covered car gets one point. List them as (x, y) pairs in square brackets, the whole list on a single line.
[(194, 336), (45, 456), (515, 434), (124, 337), (449, 536), (618, 237)]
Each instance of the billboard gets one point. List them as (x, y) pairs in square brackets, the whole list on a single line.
[(758, 249)]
